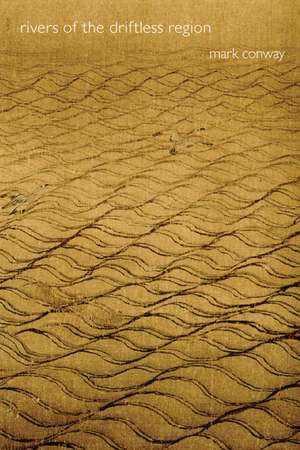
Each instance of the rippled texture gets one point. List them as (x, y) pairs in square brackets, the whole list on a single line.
[(149, 255)]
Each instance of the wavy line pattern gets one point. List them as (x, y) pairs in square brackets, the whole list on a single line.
[(149, 255)]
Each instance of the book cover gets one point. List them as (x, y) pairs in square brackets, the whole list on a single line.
[(149, 225)]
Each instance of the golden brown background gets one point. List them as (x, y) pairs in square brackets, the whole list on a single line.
[(149, 230)]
